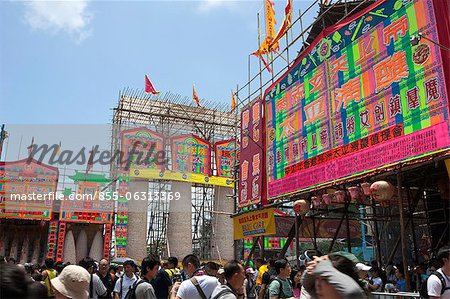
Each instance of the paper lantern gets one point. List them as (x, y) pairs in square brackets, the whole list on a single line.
[(327, 198), (340, 196), (354, 193), (366, 188), (301, 207), (382, 191), (316, 201)]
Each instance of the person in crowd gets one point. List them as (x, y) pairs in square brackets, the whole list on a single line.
[(235, 275), (37, 277), (419, 276), (261, 267), (108, 279), (36, 290), (435, 287), (211, 269), (124, 283), (281, 286), (332, 277), (267, 278), (296, 279), (73, 282), (221, 276), (199, 286), (363, 276), (400, 285), (375, 283), (249, 284), (162, 283), (150, 267), (59, 266), (172, 268), (12, 282), (48, 274), (96, 287)]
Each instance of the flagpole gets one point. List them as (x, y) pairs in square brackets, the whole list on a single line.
[(260, 68), (20, 146)]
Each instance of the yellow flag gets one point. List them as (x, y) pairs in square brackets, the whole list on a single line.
[(233, 102)]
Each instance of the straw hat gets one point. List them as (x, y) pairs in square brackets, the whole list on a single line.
[(73, 282)]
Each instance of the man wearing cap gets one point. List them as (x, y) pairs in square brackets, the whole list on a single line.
[(435, 287), (73, 282), (362, 270), (124, 283)]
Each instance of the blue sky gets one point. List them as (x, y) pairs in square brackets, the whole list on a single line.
[(65, 62)]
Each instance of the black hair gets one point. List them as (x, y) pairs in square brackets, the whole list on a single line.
[(12, 279), (49, 263), (151, 261), (280, 264), (443, 253), (294, 272), (36, 290), (87, 262), (173, 260), (37, 276), (231, 268), (190, 258), (261, 260), (212, 266), (344, 265), (130, 263)]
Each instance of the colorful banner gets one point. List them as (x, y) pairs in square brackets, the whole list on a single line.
[(326, 228), (142, 148), (27, 191), (257, 223), (181, 177), (251, 157), (191, 154), (361, 97), (225, 153), (89, 204)]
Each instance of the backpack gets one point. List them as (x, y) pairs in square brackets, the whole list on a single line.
[(223, 292), (132, 291), (424, 287), (280, 294)]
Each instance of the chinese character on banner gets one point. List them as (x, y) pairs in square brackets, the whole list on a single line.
[(338, 131), (317, 82), (245, 119), (395, 30), (364, 118), (256, 164), (256, 112), (390, 70), (255, 187), (350, 91), (304, 145), (350, 125), (313, 141), (295, 150), (323, 137), (366, 50), (244, 170), (395, 106), (412, 96), (432, 90), (378, 112), (340, 64)]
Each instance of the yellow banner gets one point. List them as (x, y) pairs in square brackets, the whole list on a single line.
[(258, 223), (180, 176)]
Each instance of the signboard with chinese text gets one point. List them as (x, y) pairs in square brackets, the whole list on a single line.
[(191, 154), (140, 147), (225, 153), (251, 155), (257, 223), (359, 98), (27, 190)]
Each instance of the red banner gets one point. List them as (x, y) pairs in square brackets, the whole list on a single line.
[(252, 156)]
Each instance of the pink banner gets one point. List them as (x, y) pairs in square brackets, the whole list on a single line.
[(418, 143)]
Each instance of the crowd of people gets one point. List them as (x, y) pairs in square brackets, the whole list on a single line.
[(336, 275)]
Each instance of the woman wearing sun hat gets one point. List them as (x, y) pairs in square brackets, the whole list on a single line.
[(73, 283)]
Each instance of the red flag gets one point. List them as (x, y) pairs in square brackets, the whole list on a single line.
[(194, 96), (149, 86), (287, 21), (90, 162)]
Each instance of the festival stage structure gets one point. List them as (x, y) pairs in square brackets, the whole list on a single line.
[(356, 124), (189, 189)]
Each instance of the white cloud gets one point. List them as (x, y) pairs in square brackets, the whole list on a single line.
[(206, 6), (68, 16)]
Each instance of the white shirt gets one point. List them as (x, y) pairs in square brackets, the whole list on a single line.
[(126, 285), (377, 281), (434, 286), (98, 289), (187, 289)]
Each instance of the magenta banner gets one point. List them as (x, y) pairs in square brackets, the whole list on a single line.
[(251, 158)]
